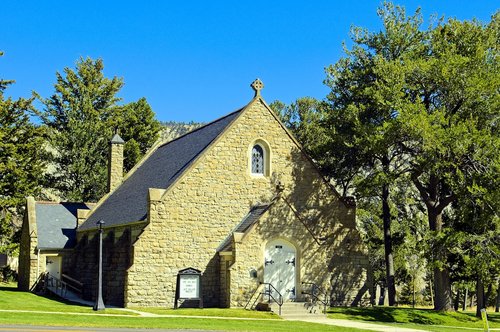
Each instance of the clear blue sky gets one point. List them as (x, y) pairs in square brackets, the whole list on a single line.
[(193, 60)]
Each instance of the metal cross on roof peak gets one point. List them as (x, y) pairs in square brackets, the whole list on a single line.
[(257, 85)]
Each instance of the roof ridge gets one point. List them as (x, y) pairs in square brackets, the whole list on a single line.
[(63, 202)]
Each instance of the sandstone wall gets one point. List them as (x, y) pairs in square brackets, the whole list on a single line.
[(336, 261), (27, 275), (115, 165), (189, 221), (81, 264)]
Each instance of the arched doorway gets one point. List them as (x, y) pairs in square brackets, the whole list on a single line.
[(279, 267)]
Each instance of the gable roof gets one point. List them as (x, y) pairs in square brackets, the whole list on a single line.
[(56, 224), (251, 218), (129, 202)]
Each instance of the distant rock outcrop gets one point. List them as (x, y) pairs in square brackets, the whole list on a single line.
[(171, 129)]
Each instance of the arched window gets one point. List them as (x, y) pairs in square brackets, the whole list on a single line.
[(257, 160)]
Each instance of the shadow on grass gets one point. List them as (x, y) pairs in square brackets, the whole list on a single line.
[(410, 315), (418, 317), (369, 314), (493, 317)]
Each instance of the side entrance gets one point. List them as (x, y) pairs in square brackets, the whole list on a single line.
[(53, 266), (280, 268)]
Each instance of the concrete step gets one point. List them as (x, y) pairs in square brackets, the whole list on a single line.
[(298, 309)]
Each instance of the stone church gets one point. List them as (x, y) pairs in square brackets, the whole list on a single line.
[(236, 199)]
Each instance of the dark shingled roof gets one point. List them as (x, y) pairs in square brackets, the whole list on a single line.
[(56, 224), (251, 218), (128, 203)]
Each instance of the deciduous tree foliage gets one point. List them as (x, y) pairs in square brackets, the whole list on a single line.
[(366, 124), (449, 108), (82, 115), (432, 99), (421, 103), (21, 161)]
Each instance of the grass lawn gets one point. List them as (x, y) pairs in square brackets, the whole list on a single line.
[(11, 298), (60, 313), (214, 312), (167, 323), (81, 316), (424, 319)]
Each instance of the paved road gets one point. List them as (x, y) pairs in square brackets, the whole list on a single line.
[(30, 328)]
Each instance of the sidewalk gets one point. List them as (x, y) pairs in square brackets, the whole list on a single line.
[(354, 324)]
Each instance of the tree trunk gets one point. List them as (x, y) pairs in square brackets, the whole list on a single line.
[(389, 259), (431, 284), (443, 300), (457, 300), (436, 201), (497, 304), (464, 307), (413, 289), (442, 293), (381, 298), (479, 296)]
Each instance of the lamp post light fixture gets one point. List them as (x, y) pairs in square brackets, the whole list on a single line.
[(99, 304)]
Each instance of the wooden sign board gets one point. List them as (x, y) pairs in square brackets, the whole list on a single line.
[(188, 286)]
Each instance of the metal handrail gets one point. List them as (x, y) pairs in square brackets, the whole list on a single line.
[(270, 295), (61, 287), (315, 292), (267, 292), (79, 285), (38, 283), (65, 276), (252, 297)]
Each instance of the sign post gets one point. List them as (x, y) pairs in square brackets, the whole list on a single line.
[(188, 286), (485, 320)]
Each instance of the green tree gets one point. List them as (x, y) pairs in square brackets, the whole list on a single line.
[(77, 115), (475, 240), (139, 129), (428, 100), (21, 162), (449, 110), (363, 123), (419, 102), (82, 115)]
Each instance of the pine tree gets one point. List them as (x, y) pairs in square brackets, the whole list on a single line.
[(21, 162), (82, 115), (77, 115), (139, 129)]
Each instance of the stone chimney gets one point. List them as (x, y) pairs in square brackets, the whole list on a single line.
[(115, 162)]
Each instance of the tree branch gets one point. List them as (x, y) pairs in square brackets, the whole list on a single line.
[(420, 187), (444, 202)]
